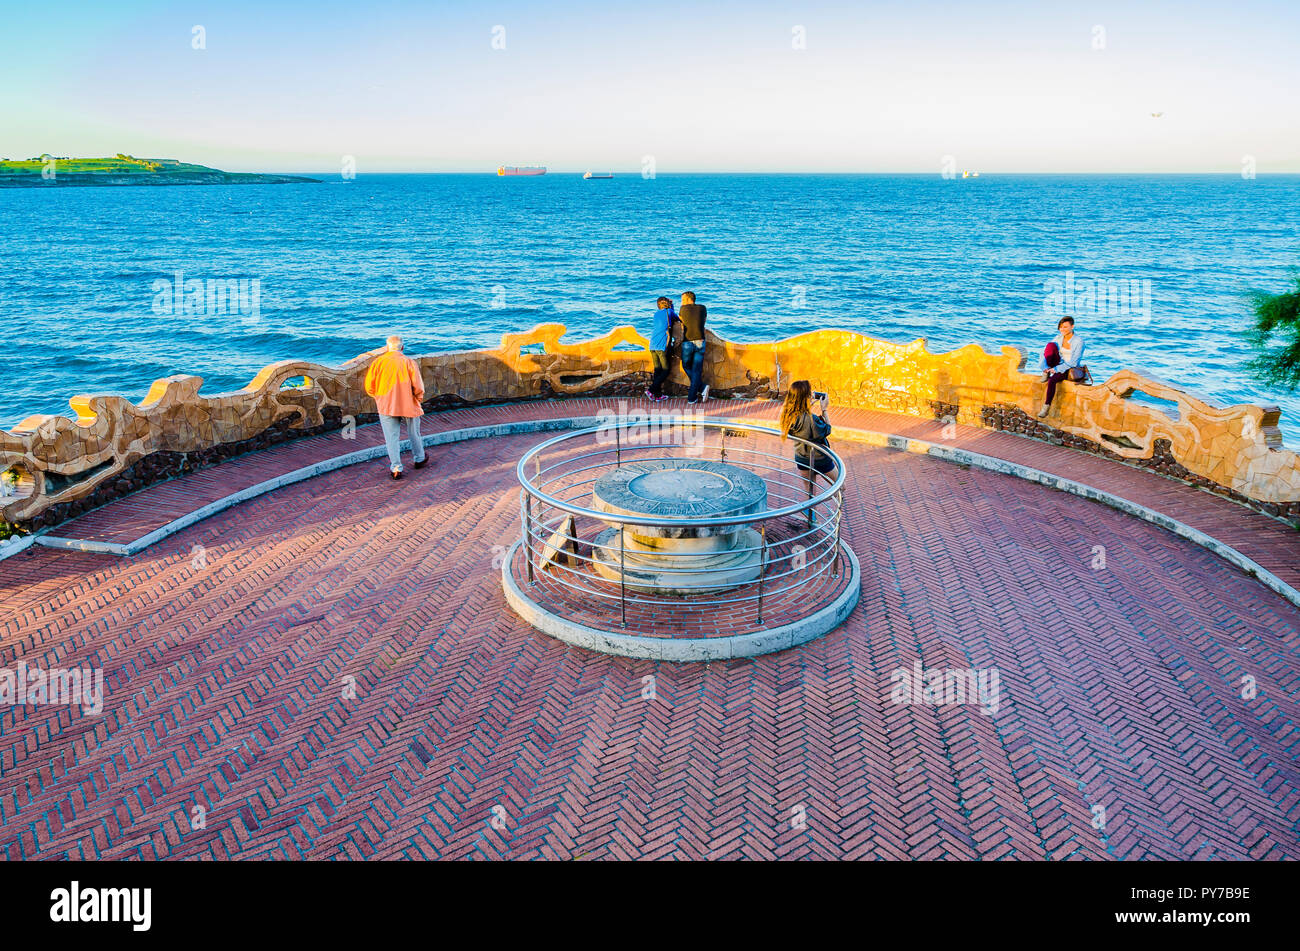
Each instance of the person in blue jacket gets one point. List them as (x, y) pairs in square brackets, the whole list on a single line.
[(661, 335)]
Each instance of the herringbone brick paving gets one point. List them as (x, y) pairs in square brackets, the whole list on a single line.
[(473, 736)]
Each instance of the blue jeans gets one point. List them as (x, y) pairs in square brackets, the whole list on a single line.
[(693, 367), (392, 426)]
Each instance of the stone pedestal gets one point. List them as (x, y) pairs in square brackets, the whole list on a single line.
[(653, 557)]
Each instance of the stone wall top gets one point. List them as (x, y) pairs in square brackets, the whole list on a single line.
[(60, 460)]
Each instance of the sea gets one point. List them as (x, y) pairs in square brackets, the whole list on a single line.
[(97, 285)]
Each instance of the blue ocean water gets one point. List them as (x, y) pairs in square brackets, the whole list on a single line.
[(453, 261)]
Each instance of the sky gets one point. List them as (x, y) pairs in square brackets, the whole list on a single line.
[(724, 86)]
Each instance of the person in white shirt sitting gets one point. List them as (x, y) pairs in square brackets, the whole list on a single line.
[(1062, 355)]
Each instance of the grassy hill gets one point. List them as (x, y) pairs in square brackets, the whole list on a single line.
[(53, 171)]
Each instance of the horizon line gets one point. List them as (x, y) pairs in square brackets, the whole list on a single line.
[(636, 173)]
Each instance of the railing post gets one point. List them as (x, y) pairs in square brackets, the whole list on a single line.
[(622, 574), (839, 517), (722, 447), (528, 534), (762, 571), (618, 445)]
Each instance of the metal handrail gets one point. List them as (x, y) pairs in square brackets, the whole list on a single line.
[(794, 500), (554, 494), (548, 534), (752, 467), (795, 509), (712, 602), (819, 555)]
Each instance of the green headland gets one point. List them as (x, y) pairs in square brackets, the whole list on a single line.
[(53, 171)]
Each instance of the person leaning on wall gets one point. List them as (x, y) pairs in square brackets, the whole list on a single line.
[(693, 316), (663, 324)]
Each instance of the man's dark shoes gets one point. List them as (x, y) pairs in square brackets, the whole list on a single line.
[(396, 474), (421, 464)]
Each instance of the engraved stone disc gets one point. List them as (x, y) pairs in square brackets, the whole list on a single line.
[(679, 559), (679, 488)]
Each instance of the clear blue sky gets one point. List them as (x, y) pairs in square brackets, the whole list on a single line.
[(418, 86)]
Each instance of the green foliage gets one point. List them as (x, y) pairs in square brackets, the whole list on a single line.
[(9, 530), (1275, 337), (121, 164)]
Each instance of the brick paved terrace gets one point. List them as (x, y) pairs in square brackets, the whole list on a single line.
[(330, 671)]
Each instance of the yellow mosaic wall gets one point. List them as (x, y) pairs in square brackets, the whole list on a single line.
[(60, 459)]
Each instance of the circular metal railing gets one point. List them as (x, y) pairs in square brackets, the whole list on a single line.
[(794, 539)]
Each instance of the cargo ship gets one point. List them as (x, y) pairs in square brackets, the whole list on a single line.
[(522, 170), (599, 175)]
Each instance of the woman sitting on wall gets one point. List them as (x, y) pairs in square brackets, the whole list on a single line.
[(1062, 360), (804, 417)]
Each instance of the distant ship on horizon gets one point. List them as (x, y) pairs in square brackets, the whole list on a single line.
[(521, 170), (599, 175)]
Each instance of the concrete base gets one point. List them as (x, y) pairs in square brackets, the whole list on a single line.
[(710, 571)]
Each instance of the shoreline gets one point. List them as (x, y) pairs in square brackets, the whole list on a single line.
[(48, 171), (81, 180)]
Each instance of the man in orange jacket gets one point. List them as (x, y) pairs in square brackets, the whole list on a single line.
[(394, 381)]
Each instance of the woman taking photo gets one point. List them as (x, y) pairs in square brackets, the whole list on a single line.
[(804, 417)]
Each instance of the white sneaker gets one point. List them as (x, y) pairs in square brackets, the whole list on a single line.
[(704, 394)]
